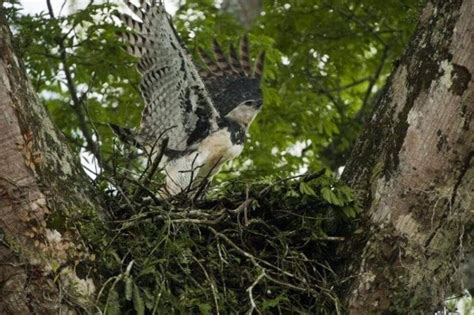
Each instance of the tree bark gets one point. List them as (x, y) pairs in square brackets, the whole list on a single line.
[(41, 186), (412, 168)]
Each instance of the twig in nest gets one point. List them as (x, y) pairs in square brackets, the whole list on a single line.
[(253, 306), (259, 262), (205, 182), (305, 178), (252, 258), (331, 238), (151, 150), (242, 206), (156, 162), (143, 189), (152, 171), (211, 283), (246, 219), (197, 221)]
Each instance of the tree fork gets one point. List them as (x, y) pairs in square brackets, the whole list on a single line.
[(412, 169), (40, 183)]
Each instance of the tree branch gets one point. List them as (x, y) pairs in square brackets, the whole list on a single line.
[(77, 101)]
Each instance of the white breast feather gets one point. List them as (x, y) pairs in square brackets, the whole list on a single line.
[(202, 164)]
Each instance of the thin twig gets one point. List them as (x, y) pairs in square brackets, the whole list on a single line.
[(211, 283), (253, 306), (146, 182), (373, 81), (78, 102)]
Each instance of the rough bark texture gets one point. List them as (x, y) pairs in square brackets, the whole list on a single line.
[(40, 182), (413, 170)]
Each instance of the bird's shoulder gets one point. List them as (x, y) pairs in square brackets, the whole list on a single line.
[(235, 130)]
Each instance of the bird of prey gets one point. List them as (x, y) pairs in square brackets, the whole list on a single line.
[(204, 112)]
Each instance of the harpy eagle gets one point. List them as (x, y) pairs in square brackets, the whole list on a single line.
[(204, 113)]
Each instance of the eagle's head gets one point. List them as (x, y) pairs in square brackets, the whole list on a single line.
[(245, 112)]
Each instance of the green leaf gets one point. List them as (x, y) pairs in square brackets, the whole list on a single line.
[(330, 196), (148, 270), (113, 304), (138, 302), (305, 189), (271, 303), (205, 309), (350, 212), (128, 288), (149, 298), (292, 193)]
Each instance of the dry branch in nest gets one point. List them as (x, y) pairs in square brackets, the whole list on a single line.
[(265, 247)]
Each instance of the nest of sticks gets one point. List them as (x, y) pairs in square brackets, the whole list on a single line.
[(254, 246)]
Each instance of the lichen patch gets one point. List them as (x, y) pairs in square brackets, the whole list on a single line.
[(409, 227), (446, 79)]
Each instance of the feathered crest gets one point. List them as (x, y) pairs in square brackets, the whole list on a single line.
[(220, 65), (231, 80)]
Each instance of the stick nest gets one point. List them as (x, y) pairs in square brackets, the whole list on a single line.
[(255, 247)]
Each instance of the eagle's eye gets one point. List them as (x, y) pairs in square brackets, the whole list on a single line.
[(254, 103)]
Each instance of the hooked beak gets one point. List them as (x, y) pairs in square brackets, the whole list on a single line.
[(258, 103)]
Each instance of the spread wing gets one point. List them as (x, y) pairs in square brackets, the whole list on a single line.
[(177, 105), (232, 80)]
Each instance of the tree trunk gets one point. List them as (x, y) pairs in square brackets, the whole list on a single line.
[(41, 187), (413, 170)]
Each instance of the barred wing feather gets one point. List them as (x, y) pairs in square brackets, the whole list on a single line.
[(177, 104)]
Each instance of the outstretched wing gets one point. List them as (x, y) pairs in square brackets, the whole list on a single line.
[(231, 80), (177, 105)]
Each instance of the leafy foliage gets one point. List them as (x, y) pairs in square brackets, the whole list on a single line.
[(326, 62), (81, 73)]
